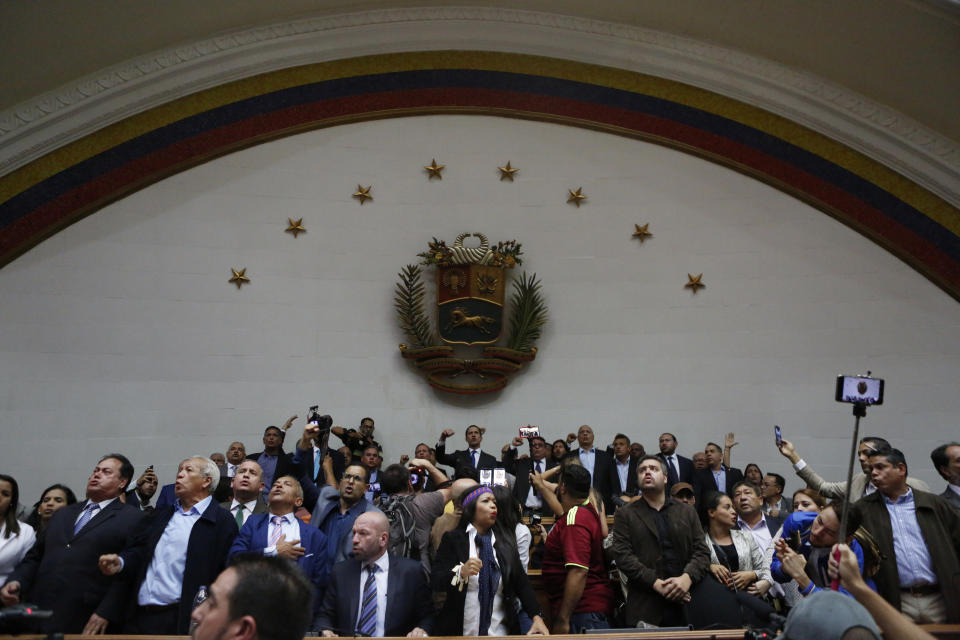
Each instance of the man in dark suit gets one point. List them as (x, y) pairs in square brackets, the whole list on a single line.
[(308, 457), (679, 469), (539, 462), (397, 598), (273, 460), (472, 456), (279, 533), (60, 571), (623, 472), (247, 486), (946, 460), (598, 463), (717, 476), (236, 453), (174, 552)]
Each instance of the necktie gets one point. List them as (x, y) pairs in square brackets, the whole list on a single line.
[(88, 512), (316, 465), (539, 471), (487, 581), (277, 529), (674, 476), (231, 470), (473, 454), (367, 625), (239, 517)]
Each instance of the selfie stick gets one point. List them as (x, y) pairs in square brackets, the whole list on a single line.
[(859, 411)]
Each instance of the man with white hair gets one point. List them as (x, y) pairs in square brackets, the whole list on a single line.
[(173, 553)]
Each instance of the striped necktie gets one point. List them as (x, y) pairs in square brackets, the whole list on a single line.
[(278, 522), (89, 511), (367, 625)]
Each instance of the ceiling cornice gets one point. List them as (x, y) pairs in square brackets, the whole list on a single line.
[(34, 128)]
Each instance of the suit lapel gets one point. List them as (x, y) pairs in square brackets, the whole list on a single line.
[(393, 579), (353, 595), (105, 514)]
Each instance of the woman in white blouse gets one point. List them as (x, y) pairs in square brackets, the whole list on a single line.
[(16, 538)]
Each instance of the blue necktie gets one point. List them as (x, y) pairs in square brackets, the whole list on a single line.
[(473, 454), (367, 626), (88, 513), (487, 581)]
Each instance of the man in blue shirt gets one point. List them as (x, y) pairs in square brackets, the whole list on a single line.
[(336, 510)]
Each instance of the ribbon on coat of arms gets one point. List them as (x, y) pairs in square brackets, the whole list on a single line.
[(471, 289)]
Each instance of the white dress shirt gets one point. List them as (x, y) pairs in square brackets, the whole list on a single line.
[(471, 606), (13, 549), (288, 526), (248, 508)]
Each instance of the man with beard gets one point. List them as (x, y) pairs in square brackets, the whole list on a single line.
[(337, 509), (141, 495), (659, 546), (247, 488), (679, 469), (60, 571)]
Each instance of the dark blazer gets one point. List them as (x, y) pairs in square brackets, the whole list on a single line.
[(636, 546), (685, 469), (210, 541), (952, 497), (454, 549), (260, 507), (773, 524), (632, 486), (522, 469), (602, 468), (134, 500), (409, 603), (462, 457), (314, 563), (166, 496), (940, 525), (703, 482), (285, 466), (60, 572), (303, 460)]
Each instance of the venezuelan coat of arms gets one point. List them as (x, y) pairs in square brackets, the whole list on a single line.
[(471, 283)]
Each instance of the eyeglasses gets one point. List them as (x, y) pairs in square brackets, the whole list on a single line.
[(349, 477)]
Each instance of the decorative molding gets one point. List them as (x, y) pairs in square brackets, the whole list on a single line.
[(37, 127)]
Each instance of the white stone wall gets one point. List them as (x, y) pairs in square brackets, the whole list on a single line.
[(122, 332)]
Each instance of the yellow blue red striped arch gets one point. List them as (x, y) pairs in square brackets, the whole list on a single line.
[(77, 179)]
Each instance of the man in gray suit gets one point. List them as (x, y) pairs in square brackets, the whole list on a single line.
[(860, 485), (247, 492), (946, 460)]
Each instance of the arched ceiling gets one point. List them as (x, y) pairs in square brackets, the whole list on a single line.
[(904, 54)]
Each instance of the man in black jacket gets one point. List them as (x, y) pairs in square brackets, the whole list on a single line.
[(60, 571), (472, 456), (172, 554), (528, 497)]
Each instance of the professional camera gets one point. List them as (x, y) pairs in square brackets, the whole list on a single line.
[(317, 420)]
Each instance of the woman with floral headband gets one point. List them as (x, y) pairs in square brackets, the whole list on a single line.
[(481, 575)]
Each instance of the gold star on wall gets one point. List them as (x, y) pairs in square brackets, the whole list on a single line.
[(576, 197), (434, 169), (694, 282), (506, 173), (363, 194), (239, 277), (641, 233), (295, 227)]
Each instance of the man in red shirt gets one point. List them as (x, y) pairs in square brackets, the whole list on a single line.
[(574, 570)]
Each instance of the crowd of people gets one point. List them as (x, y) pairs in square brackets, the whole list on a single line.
[(443, 543)]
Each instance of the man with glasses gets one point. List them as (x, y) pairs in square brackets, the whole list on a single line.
[(523, 489), (337, 509), (774, 504)]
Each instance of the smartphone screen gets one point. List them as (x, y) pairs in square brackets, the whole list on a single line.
[(779, 436)]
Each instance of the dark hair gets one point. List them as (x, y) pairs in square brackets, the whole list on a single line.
[(715, 445), (466, 470), (34, 519), (939, 458), (508, 513), (663, 465), (372, 446), (366, 474), (472, 426), (711, 501), (540, 438), (126, 467), (818, 499), (362, 420), (505, 547), (752, 464), (748, 484), (10, 517), (576, 480), (394, 479), (779, 480), (283, 434), (621, 436), (285, 615), (667, 433), (566, 449), (878, 442), (893, 456)]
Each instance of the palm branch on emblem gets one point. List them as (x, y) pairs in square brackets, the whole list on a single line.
[(529, 313), (408, 302)]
